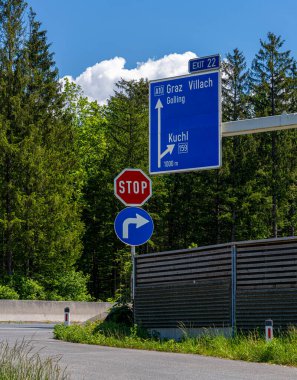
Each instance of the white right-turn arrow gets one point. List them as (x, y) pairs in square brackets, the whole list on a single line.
[(139, 221)]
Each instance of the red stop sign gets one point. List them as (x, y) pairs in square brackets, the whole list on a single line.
[(132, 187)]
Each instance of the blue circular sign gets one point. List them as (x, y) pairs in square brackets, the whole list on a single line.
[(133, 226)]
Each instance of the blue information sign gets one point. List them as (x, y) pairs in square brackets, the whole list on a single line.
[(185, 123), (211, 62), (133, 226)]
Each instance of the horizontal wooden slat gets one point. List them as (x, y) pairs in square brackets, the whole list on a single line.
[(214, 248), (258, 254), (267, 262), (200, 313), (200, 261), (217, 298), (143, 260), (277, 246), (263, 271), (267, 280), (182, 277), (184, 271), (185, 267)]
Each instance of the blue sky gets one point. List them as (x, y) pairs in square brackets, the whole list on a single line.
[(86, 32)]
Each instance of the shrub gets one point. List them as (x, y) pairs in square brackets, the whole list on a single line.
[(69, 286), (30, 289), (7, 293), (121, 314)]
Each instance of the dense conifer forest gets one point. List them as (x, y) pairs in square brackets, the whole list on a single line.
[(60, 152)]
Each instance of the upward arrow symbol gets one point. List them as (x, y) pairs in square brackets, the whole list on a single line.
[(170, 147)]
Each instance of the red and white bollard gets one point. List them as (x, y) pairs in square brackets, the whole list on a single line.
[(67, 316), (269, 330)]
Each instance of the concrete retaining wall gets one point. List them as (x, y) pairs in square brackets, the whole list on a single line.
[(51, 311)]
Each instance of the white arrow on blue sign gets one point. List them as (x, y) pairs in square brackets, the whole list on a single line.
[(185, 123), (133, 226)]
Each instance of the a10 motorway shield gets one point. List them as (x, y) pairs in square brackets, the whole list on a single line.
[(185, 120)]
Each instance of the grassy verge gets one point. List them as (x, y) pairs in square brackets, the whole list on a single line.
[(253, 348), (20, 362)]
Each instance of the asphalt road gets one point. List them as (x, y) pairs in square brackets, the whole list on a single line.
[(106, 363)]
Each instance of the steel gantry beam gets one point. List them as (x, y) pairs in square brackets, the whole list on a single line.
[(261, 124)]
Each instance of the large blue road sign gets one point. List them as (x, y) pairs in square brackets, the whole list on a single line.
[(185, 118), (133, 226)]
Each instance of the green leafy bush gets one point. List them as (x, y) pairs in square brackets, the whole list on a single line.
[(26, 288), (30, 289), (121, 314), (7, 293), (69, 286)]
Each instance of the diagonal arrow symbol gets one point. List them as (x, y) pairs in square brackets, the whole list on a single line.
[(168, 150), (138, 220)]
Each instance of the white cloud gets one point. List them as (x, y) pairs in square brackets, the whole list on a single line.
[(98, 81)]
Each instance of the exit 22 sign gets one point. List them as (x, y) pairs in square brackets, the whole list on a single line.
[(212, 62)]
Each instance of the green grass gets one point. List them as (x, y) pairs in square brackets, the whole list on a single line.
[(281, 350), (20, 362)]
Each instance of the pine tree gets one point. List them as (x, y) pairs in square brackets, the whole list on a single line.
[(271, 96), (11, 118), (57, 183), (234, 87), (40, 171), (127, 118), (97, 191), (291, 163), (234, 104), (293, 88), (238, 152)]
